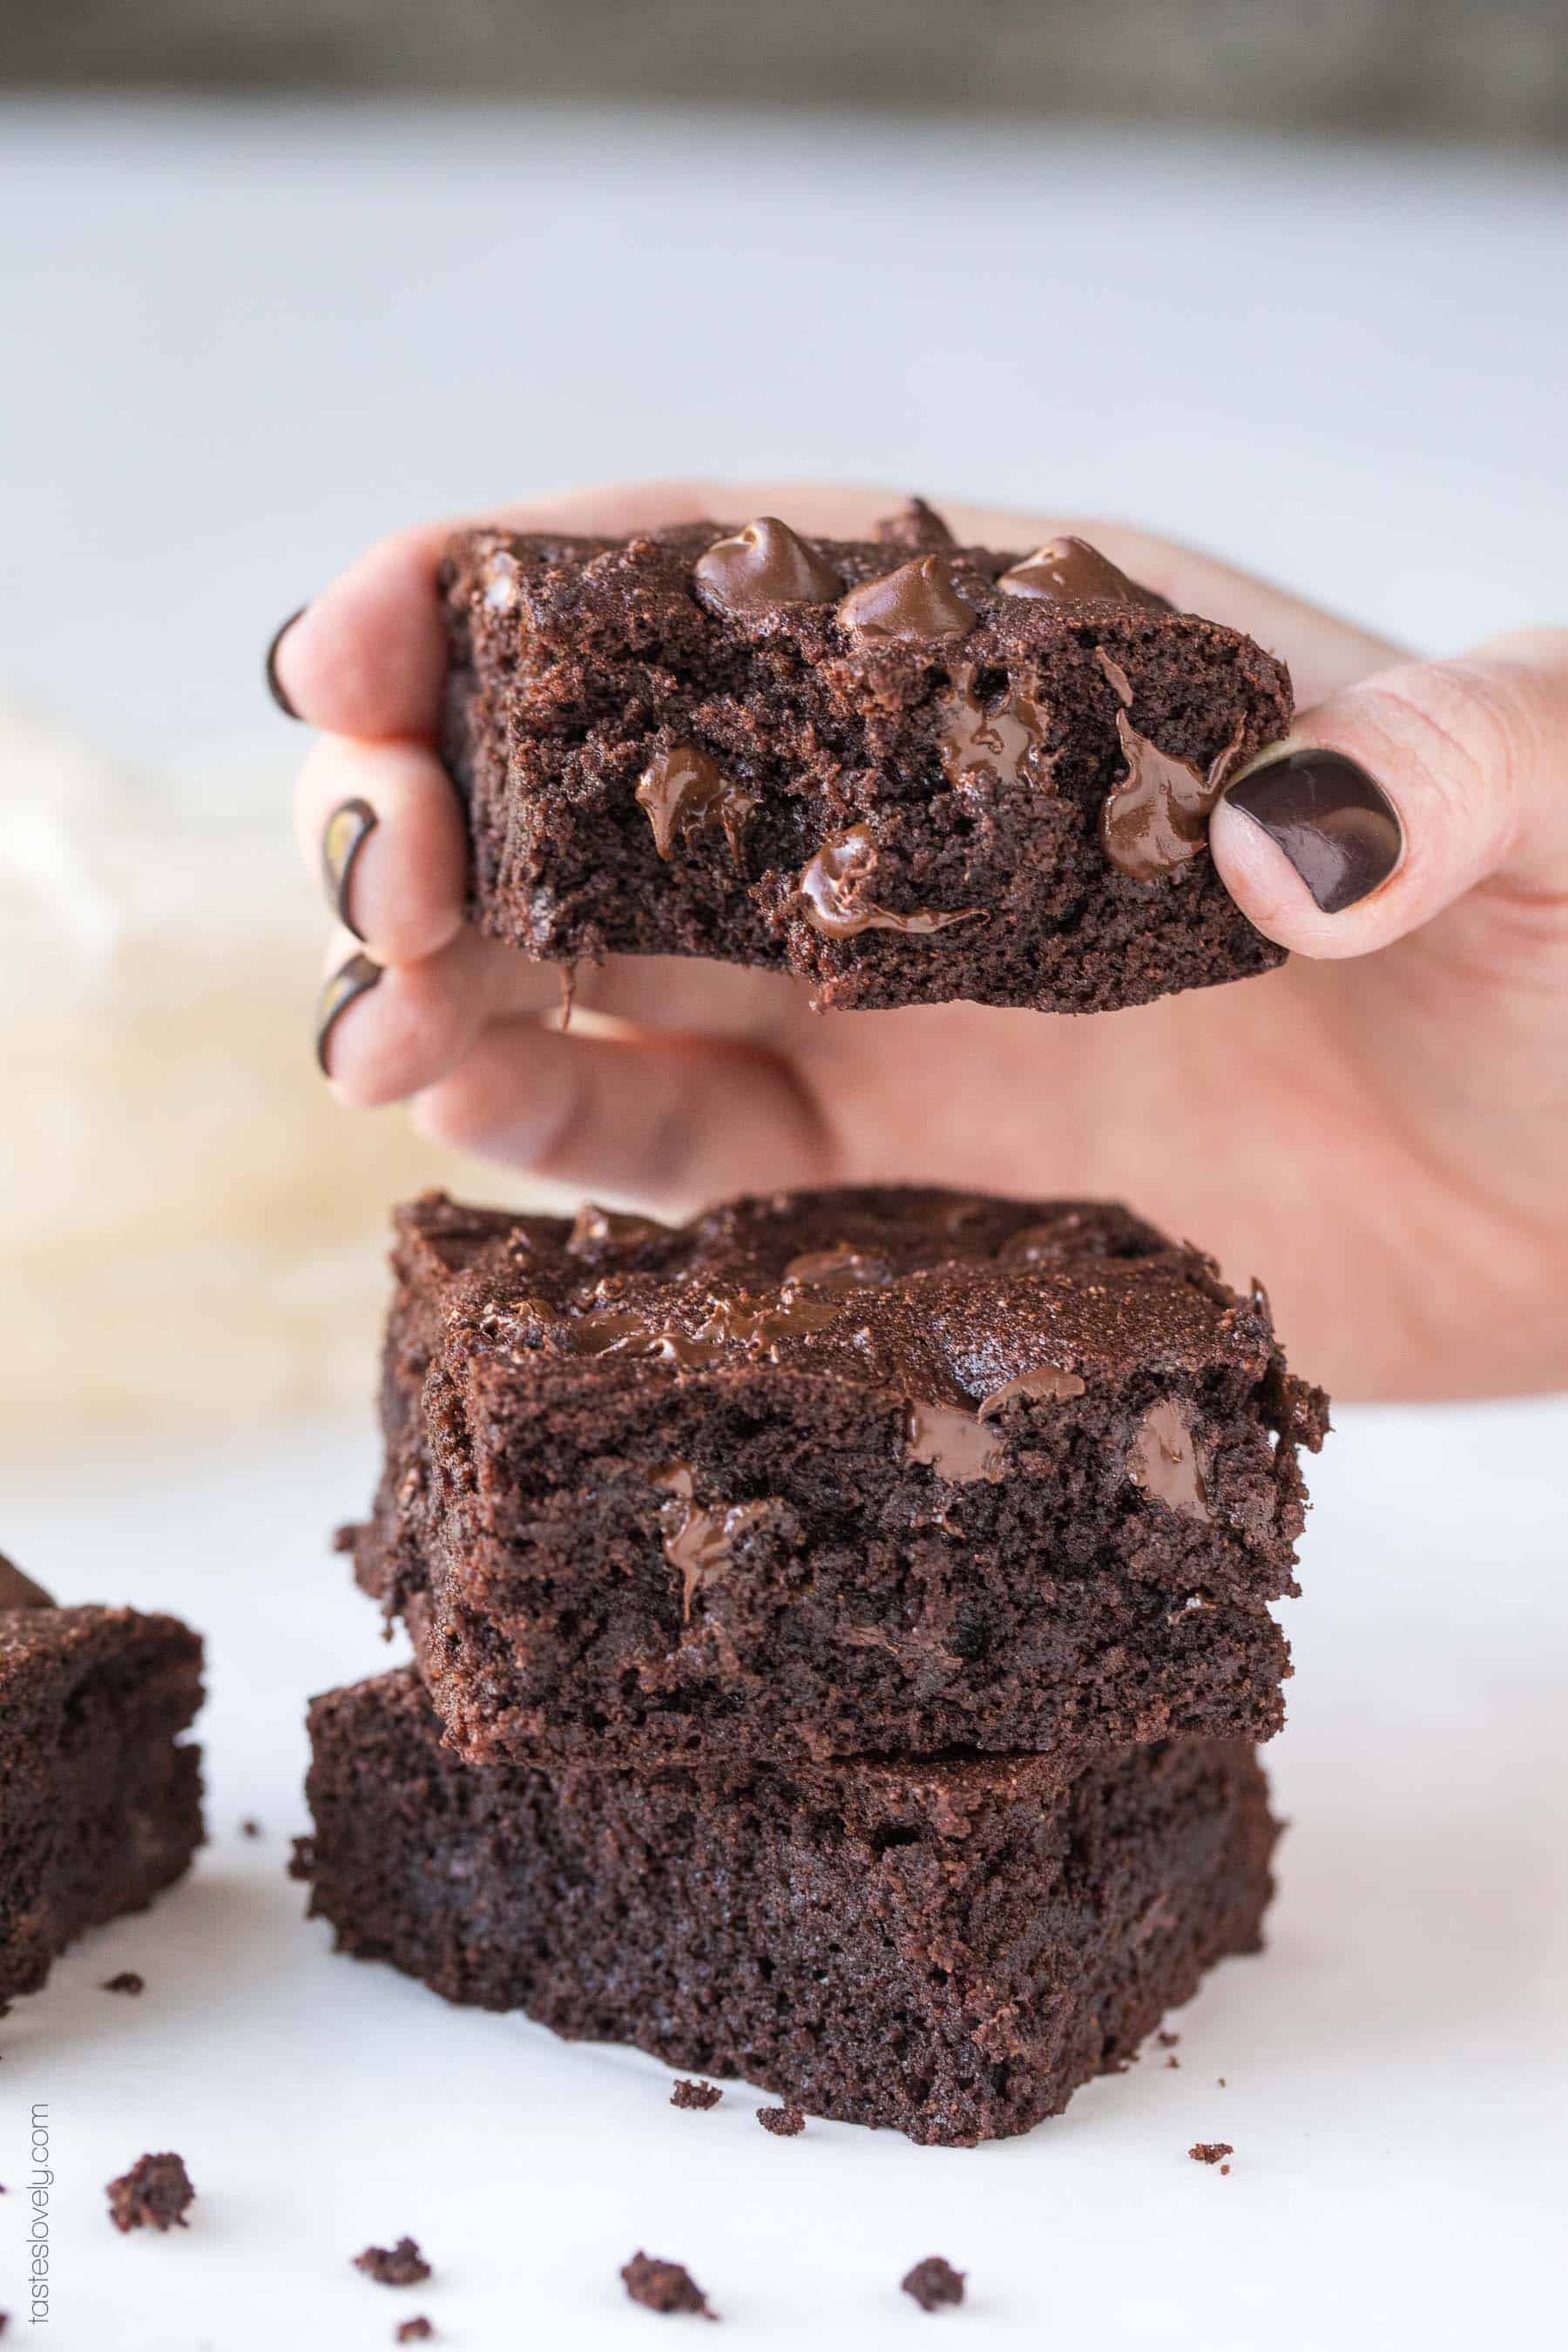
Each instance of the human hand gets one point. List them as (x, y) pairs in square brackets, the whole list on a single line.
[(1379, 1129)]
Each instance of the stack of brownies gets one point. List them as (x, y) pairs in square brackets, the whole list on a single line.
[(841, 1624), (841, 1639)]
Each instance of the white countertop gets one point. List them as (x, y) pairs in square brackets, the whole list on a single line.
[(252, 340)]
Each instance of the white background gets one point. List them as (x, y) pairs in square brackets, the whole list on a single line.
[(242, 344)]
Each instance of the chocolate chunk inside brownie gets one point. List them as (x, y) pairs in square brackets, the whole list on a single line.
[(837, 1473), (905, 770), (99, 1798), (950, 1948)]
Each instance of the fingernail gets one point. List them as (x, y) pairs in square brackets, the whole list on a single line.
[(347, 985), (274, 685), (346, 831), (1335, 822)]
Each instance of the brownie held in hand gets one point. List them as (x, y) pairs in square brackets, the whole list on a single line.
[(100, 1798), (830, 1474), (908, 773), (950, 1948)]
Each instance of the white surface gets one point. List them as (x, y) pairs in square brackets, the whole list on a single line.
[(1393, 2064)]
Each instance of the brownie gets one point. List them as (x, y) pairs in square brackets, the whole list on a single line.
[(697, 2095), (155, 2194), (950, 1948), (905, 770), (100, 1798), (663, 2286), (833, 1473), (934, 2283), (783, 2122), (399, 2265)]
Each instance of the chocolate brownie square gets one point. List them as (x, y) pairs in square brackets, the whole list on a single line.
[(949, 1948), (906, 777), (834, 1474), (100, 1798)]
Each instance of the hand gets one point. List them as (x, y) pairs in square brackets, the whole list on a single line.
[(1379, 1129)]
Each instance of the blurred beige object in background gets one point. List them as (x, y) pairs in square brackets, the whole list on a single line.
[(192, 1233)]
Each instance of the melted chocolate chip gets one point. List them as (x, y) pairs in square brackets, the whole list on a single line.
[(842, 1268), (953, 1440), (698, 1542), (1069, 571), (686, 796), (1163, 1460), (594, 1229), (1006, 742), (761, 565), (1048, 1381), (19, 1591), (914, 525), (1157, 817), (833, 885), (916, 605)]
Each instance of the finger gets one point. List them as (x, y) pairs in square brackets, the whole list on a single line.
[(670, 1123), (1391, 801), (379, 825), (384, 1031), (367, 657)]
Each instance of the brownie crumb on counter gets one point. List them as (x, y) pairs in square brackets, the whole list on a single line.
[(663, 2286), (126, 1982), (1167, 2041), (699, 2096), (414, 2331), (1210, 2151), (934, 2283), (302, 1859), (155, 2194), (1173, 2061), (399, 2265), (784, 2123), (250, 1829)]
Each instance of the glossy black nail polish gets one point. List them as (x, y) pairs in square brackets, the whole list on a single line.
[(347, 985), (344, 835), (1335, 823), (269, 668)]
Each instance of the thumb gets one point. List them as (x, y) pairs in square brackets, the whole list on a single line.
[(1390, 801)]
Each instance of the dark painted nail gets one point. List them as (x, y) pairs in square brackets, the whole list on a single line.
[(1335, 822), (347, 985), (274, 685), (347, 830)]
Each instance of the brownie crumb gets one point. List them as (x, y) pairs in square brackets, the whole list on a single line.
[(126, 1982), (784, 2123), (1223, 2170), (934, 2283), (250, 1829), (155, 2194), (1209, 2151), (695, 2094), (1221, 2081), (399, 2265), (414, 2331), (663, 2286), (302, 1859), (5, 2321), (1167, 2041), (1173, 2060)]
